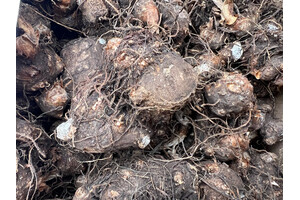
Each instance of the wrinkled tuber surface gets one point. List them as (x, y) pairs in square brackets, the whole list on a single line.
[(39, 72), (175, 19), (27, 131), (24, 183), (53, 100), (215, 39), (83, 58), (147, 12), (32, 30), (220, 182), (270, 70), (272, 130), (264, 179), (144, 179), (94, 128), (233, 93), (227, 147), (68, 162), (92, 10), (165, 71), (157, 86), (65, 12), (27, 43)]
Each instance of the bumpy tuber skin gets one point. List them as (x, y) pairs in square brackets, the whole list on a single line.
[(36, 29), (83, 58), (233, 93), (27, 44), (228, 147), (144, 179), (272, 68), (220, 182), (175, 19), (158, 73), (68, 162), (272, 130), (27, 131), (29, 180), (94, 131), (92, 10), (39, 72), (53, 100), (261, 110), (23, 178), (156, 86), (214, 38), (64, 12), (147, 11), (263, 177)]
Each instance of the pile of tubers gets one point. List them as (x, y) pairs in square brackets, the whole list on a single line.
[(149, 99)]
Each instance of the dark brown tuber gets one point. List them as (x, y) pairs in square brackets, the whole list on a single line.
[(145, 178), (233, 93)]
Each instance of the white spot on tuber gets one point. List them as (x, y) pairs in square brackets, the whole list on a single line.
[(202, 68), (145, 141), (65, 130), (237, 51), (272, 27), (102, 41)]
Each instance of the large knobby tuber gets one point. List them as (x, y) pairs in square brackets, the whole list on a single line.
[(142, 178), (220, 182), (228, 147), (231, 94)]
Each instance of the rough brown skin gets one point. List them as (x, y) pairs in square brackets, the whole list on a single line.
[(40, 25), (83, 58), (129, 92), (165, 71), (53, 100), (65, 13), (175, 19), (39, 72), (271, 69), (272, 130), (142, 178), (231, 94), (156, 86), (220, 182), (68, 162), (214, 39), (29, 180), (92, 10), (23, 179), (260, 112), (95, 131), (27, 131), (264, 179), (147, 11), (209, 67), (227, 147), (27, 44)]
